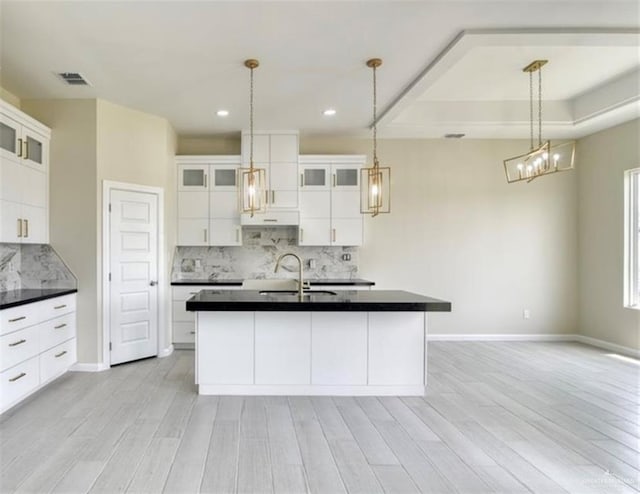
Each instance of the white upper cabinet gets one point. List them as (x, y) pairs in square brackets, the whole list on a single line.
[(208, 211), (277, 153), (24, 177), (330, 200)]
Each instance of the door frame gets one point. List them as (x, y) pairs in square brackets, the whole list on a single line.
[(164, 346)]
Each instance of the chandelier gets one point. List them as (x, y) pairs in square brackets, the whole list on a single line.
[(252, 180), (542, 159), (375, 182)]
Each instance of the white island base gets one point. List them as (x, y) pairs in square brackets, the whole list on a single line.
[(311, 353)]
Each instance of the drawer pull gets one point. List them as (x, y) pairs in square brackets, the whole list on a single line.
[(18, 319), (193, 293), (269, 220), (60, 306), (19, 342), (19, 376), (60, 326), (58, 355), (192, 332)]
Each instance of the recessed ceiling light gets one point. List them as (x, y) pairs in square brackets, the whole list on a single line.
[(222, 113), (329, 112)]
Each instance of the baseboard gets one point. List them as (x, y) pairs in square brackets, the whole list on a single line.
[(80, 367), (624, 350), (166, 352), (501, 337), (587, 340)]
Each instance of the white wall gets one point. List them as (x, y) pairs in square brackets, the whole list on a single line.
[(92, 141), (603, 158), (459, 232)]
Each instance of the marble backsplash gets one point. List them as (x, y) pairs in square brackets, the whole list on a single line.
[(33, 266), (257, 257)]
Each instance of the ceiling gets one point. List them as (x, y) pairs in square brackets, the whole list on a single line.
[(449, 66)]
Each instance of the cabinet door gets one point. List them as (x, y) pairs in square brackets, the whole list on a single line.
[(35, 149), (226, 338), (193, 177), (345, 203), (345, 177), (224, 177), (314, 177), (339, 349), (10, 222), (283, 185), (193, 231), (346, 231), (225, 231), (284, 148), (314, 231), (315, 204), (34, 225), (193, 204), (11, 180), (34, 187), (397, 348), (283, 347), (10, 138), (224, 204)]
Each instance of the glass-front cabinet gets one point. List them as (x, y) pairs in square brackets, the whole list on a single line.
[(193, 177)]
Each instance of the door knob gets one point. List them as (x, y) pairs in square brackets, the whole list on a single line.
[(153, 283)]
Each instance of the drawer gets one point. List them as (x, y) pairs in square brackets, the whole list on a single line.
[(18, 346), (184, 332), (57, 360), (184, 292), (181, 314), (19, 317), (56, 331), (18, 381), (58, 306)]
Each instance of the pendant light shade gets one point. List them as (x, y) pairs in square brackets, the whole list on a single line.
[(375, 181), (543, 158), (252, 180)]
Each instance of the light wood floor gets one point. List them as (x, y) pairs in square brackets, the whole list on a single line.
[(498, 417)]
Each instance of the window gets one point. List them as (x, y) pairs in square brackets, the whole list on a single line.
[(632, 239)]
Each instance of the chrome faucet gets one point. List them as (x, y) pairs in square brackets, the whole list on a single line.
[(300, 284)]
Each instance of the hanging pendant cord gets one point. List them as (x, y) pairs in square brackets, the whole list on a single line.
[(375, 120), (531, 107), (540, 107), (251, 120)]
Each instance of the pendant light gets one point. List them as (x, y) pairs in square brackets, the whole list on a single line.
[(252, 180), (375, 181), (542, 159)]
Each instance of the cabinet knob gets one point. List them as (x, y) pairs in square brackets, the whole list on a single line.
[(153, 283)]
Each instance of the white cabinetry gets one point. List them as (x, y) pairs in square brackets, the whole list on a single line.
[(37, 344), (208, 211), (330, 200), (311, 353), (277, 153), (24, 177)]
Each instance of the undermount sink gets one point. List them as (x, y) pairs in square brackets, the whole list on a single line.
[(295, 292)]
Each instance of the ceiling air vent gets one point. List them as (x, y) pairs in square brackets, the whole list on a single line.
[(73, 78), (453, 136)]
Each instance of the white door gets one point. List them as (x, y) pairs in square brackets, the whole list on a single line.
[(133, 267)]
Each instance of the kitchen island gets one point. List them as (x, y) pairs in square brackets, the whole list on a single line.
[(252, 342)]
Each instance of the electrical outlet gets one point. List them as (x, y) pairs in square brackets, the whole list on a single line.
[(198, 264), (346, 257), (526, 314), (312, 264)]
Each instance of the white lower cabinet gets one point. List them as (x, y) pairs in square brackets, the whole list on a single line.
[(229, 347), (283, 347), (37, 344), (339, 348), (397, 348), (311, 353)]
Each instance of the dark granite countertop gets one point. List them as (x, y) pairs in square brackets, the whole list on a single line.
[(311, 281), (14, 298), (348, 300)]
